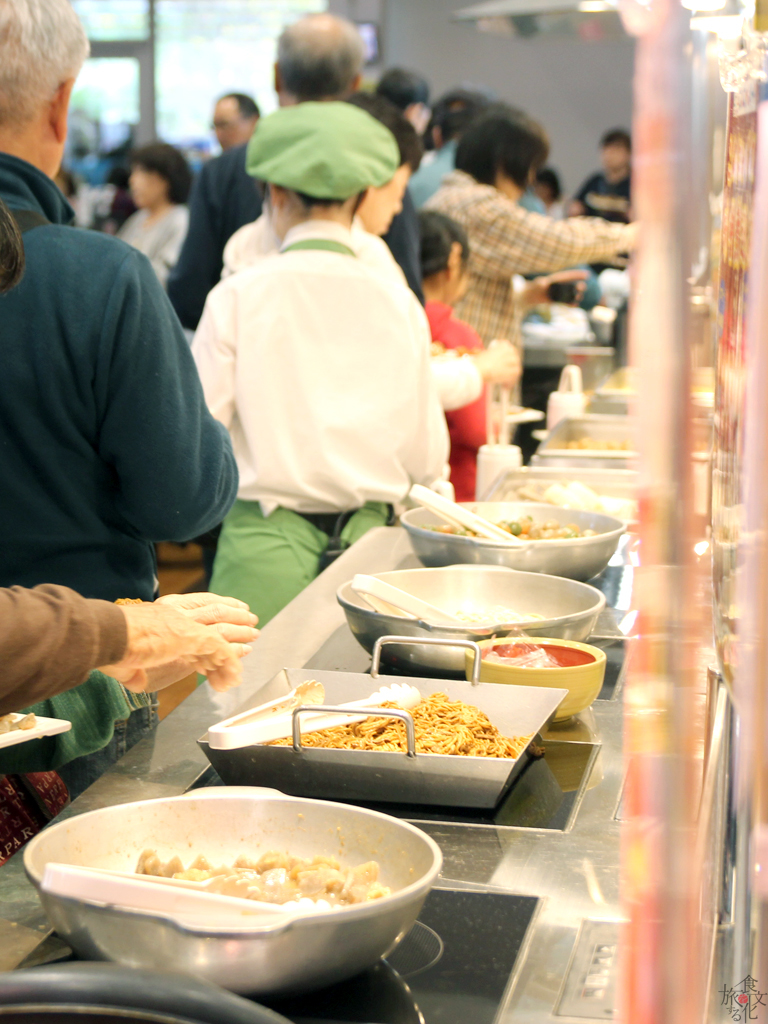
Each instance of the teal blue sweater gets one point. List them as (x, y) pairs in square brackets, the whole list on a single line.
[(106, 444)]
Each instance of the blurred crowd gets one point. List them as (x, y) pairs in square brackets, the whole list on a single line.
[(156, 179)]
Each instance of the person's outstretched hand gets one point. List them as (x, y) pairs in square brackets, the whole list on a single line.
[(232, 618), (166, 643)]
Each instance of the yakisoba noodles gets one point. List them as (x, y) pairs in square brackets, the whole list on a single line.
[(442, 726)]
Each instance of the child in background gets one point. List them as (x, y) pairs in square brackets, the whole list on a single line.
[(444, 259)]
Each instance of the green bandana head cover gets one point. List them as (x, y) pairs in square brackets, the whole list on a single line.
[(325, 150)]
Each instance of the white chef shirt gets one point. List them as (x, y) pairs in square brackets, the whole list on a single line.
[(254, 241), (458, 381), (321, 372)]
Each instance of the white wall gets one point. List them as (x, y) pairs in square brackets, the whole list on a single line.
[(577, 90)]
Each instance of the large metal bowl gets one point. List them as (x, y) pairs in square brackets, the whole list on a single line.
[(579, 559), (306, 952), (570, 611)]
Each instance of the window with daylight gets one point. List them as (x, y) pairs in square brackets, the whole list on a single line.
[(108, 20), (205, 48)]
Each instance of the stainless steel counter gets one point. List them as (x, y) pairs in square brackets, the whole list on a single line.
[(575, 871)]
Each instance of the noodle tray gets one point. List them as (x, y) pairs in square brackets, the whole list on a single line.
[(436, 780)]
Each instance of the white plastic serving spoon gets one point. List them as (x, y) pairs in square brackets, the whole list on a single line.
[(146, 892), (456, 515), (386, 598)]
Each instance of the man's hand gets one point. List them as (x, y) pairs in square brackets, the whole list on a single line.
[(165, 644), (536, 292), (499, 364)]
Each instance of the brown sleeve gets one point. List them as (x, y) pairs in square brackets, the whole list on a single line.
[(50, 639)]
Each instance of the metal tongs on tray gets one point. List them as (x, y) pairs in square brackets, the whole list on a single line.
[(279, 719)]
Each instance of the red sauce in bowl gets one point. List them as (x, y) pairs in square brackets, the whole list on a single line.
[(566, 657)]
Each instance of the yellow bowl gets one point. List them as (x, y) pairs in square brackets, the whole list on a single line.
[(584, 679)]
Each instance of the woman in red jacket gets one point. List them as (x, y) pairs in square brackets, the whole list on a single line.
[(444, 258)]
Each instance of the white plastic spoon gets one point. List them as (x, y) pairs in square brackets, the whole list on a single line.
[(146, 892), (377, 592), (456, 515)]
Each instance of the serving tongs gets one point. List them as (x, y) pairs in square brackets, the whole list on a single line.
[(187, 901), (260, 725), (456, 515)]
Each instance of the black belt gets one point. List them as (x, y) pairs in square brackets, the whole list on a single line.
[(332, 523)]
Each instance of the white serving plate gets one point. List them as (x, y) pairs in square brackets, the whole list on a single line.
[(44, 727)]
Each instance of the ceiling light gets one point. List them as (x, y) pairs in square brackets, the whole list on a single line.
[(704, 5), (728, 26)]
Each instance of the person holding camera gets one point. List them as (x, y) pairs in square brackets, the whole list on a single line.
[(496, 160)]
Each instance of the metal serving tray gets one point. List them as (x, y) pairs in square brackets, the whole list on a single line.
[(553, 451), (613, 483), (438, 780), (614, 394), (620, 384)]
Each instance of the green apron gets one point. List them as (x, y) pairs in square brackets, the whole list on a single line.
[(266, 561)]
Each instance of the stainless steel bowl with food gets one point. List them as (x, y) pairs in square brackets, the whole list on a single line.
[(229, 826), (509, 601), (558, 541)]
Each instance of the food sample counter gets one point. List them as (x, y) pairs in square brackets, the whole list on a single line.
[(522, 927)]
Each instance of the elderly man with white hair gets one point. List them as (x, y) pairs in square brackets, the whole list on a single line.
[(319, 57), (106, 444)]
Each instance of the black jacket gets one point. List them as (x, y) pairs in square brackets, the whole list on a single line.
[(404, 241), (224, 198)]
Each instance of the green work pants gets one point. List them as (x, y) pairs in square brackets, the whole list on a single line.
[(267, 560)]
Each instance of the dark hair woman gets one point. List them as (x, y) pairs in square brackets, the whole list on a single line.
[(160, 182), (11, 251), (444, 245), (504, 143), (550, 191)]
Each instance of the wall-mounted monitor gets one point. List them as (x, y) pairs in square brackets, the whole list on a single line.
[(369, 30)]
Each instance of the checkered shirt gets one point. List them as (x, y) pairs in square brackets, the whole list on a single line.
[(505, 240)]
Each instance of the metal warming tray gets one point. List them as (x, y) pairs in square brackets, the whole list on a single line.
[(553, 451), (610, 483), (424, 779), (614, 394)]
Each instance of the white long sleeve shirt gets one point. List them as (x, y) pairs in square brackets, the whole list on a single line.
[(161, 242), (458, 381), (321, 372)]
